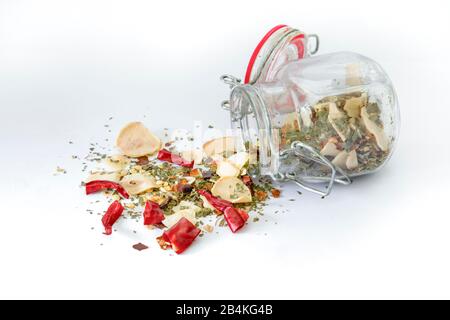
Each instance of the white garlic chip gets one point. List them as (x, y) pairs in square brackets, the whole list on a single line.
[(239, 160), (352, 160), (117, 162), (171, 220), (138, 183), (329, 149), (193, 155), (335, 114), (220, 146), (232, 189), (227, 169), (353, 105), (373, 128), (108, 176), (340, 160), (135, 140), (231, 167)]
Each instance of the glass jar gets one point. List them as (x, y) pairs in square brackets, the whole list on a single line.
[(324, 118)]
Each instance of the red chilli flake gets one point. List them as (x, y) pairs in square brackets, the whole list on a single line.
[(235, 218), (110, 217), (165, 155), (99, 185), (217, 203), (152, 214), (181, 235)]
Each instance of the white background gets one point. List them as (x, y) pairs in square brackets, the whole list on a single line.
[(67, 66)]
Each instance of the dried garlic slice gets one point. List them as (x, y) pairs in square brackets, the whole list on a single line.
[(353, 105), (352, 160), (239, 160), (135, 140), (231, 167), (193, 155), (108, 176), (227, 169), (117, 162), (172, 219), (373, 128), (232, 189), (341, 159), (220, 146), (329, 149), (334, 114), (138, 183)]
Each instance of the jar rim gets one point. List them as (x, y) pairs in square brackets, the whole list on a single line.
[(245, 101)]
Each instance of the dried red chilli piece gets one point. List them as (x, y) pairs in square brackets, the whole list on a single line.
[(181, 235), (235, 218), (113, 213), (247, 180), (244, 215), (153, 214), (99, 185), (217, 203), (165, 155)]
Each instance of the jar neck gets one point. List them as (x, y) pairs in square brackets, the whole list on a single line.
[(251, 120)]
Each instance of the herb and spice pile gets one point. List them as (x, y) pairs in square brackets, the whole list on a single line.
[(175, 190)]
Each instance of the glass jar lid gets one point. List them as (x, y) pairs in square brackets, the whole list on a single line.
[(279, 46)]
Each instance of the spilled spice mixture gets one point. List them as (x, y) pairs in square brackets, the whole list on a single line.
[(185, 193)]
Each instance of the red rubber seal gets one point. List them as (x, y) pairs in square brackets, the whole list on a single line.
[(299, 44), (257, 49)]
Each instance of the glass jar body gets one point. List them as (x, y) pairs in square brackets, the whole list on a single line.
[(341, 105)]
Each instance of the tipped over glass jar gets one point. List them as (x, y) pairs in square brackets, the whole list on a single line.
[(314, 120)]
